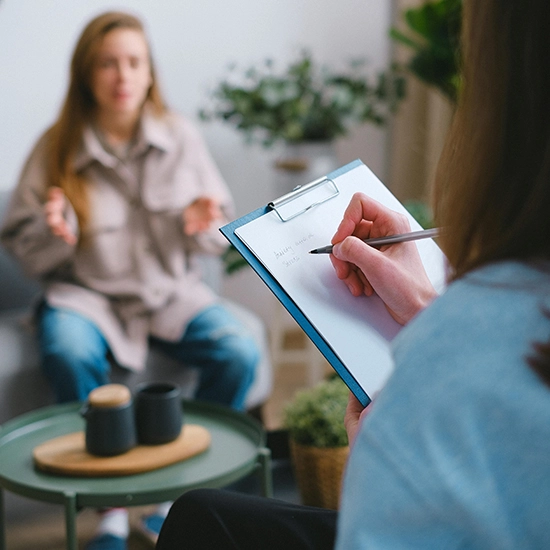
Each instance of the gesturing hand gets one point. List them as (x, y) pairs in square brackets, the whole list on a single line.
[(54, 209), (200, 215), (394, 272)]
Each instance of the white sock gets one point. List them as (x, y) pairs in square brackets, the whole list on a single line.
[(163, 509), (114, 521)]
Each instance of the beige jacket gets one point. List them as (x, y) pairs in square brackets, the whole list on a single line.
[(134, 274)]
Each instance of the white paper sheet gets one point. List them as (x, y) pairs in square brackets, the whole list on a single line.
[(358, 329)]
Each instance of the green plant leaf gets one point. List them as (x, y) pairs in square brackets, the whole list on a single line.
[(316, 415), (404, 39), (233, 260), (435, 43), (421, 212)]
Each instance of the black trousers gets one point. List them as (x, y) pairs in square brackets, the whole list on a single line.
[(214, 519)]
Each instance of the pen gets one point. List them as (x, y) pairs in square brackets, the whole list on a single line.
[(390, 239)]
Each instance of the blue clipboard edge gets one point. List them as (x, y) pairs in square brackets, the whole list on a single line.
[(228, 231)]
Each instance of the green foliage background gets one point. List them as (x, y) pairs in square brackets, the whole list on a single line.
[(304, 101), (434, 36)]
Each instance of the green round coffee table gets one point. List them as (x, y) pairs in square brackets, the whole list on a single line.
[(237, 449)]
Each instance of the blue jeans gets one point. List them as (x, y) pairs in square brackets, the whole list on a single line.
[(75, 354)]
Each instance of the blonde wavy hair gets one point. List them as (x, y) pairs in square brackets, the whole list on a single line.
[(79, 109)]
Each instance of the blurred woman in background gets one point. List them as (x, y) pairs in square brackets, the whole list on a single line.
[(113, 204)]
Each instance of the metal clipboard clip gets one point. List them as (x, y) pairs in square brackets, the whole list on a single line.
[(304, 198)]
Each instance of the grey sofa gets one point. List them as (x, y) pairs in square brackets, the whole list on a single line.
[(22, 385)]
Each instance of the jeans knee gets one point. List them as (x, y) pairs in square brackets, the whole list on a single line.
[(69, 337), (244, 356), (69, 351), (74, 366), (68, 357)]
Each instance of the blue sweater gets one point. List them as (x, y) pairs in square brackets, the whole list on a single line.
[(456, 451)]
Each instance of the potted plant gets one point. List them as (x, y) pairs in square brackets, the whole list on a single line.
[(318, 441), (305, 102)]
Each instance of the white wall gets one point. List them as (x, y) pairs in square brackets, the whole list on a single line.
[(193, 43)]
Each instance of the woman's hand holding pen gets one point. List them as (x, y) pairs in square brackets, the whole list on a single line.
[(394, 272), (54, 210)]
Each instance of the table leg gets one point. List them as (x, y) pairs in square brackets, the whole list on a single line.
[(2, 522), (264, 459), (70, 521)]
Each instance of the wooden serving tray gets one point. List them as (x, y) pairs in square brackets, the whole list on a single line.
[(67, 455)]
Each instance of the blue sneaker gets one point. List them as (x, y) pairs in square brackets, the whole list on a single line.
[(107, 542), (149, 526)]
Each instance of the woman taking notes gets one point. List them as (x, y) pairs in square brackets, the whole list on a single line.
[(454, 452)]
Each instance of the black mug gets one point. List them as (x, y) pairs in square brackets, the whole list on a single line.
[(110, 421), (159, 415)]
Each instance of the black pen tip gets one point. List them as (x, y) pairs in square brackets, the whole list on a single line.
[(314, 251)]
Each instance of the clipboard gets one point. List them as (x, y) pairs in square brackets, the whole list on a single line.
[(353, 334)]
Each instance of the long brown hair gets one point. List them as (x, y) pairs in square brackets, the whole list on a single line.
[(492, 190), (79, 108)]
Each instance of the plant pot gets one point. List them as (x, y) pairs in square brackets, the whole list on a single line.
[(301, 163), (318, 473)]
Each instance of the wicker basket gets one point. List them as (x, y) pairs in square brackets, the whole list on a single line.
[(318, 473)]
